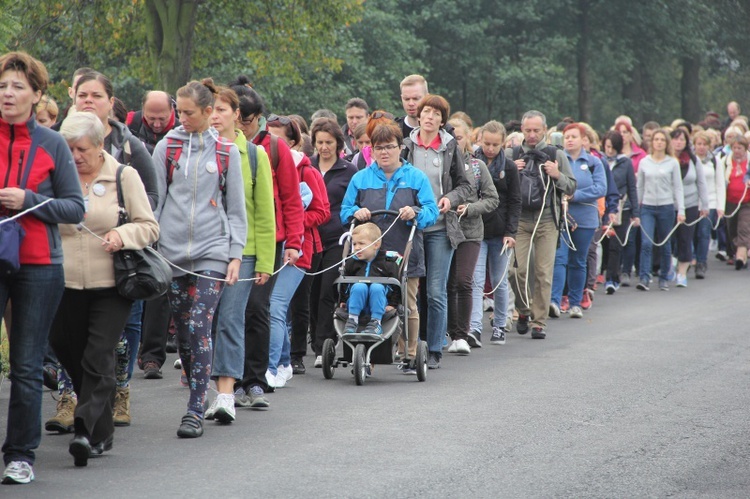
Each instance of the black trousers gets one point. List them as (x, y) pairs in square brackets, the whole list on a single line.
[(86, 329), (300, 308), (324, 298), (460, 282), (156, 317), (614, 253), (258, 330)]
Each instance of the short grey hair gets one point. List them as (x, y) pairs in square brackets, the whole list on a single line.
[(83, 125), (534, 114)]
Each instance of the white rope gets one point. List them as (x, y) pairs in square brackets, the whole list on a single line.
[(505, 273), (606, 233), (19, 215), (569, 242)]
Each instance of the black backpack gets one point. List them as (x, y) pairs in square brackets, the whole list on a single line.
[(531, 178)]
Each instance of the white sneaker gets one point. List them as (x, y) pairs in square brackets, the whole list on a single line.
[(225, 412), (270, 379), (178, 363), (576, 312), (318, 361), (285, 372), (211, 411), (452, 348), (462, 347), (18, 472)]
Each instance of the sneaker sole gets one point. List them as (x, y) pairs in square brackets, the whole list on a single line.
[(7, 480), (641, 287), (473, 341), (611, 291), (498, 342), (58, 427)]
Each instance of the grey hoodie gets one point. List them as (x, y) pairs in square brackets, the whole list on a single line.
[(196, 232)]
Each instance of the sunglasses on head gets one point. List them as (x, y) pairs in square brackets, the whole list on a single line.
[(284, 120), (381, 114)]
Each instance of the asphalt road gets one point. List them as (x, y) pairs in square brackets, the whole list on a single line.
[(648, 395)]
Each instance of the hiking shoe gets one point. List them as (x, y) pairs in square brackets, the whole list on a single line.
[(498, 336), (152, 370), (50, 377), (373, 327), (121, 408), (433, 361), (564, 305), (554, 310), (62, 421), (625, 280), (211, 411), (257, 398), (611, 287), (576, 313), (587, 300), (18, 472), (642, 284), (224, 412), (681, 281), (318, 361), (241, 398), (298, 367), (663, 285), (522, 326), (191, 426), (700, 270), (351, 326), (462, 347), (474, 338), (538, 333)]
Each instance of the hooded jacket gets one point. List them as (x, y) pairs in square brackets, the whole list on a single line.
[(51, 174), (138, 157), (503, 220), (408, 186), (453, 182), (197, 233), (317, 213), (624, 178), (483, 199)]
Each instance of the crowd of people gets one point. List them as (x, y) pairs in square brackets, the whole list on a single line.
[(250, 209)]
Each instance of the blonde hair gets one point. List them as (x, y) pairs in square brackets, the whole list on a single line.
[(702, 135), (414, 80), (494, 127), (48, 104), (459, 123), (369, 230), (591, 135), (515, 138)]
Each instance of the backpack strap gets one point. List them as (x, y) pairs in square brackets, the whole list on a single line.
[(252, 152), (174, 151), (274, 152), (122, 212), (517, 152), (222, 162), (127, 152)]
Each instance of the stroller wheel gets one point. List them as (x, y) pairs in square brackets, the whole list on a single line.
[(421, 361), (360, 370), (329, 358)]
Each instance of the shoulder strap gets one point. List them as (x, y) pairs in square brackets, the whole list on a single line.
[(274, 152), (517, 152), (127, 153), (222, 162), (252, 152), (551, 152), (123, 213), (174, 151)]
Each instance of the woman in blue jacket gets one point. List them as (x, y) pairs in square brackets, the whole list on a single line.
[(582, 207)]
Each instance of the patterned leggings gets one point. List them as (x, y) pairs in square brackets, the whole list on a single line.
[(193, 302)]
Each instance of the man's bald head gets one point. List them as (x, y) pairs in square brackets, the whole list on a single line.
[(733, 109), (157, 110)]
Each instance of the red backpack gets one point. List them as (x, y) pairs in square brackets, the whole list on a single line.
[(223, 146)]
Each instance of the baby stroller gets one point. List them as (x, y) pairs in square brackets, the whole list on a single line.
[(363, 350)]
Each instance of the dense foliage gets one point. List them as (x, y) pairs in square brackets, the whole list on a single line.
[(590, 59)]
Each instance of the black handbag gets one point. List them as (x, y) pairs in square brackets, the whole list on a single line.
[(139, 274)]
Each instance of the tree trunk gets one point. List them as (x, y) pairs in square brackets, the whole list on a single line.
[(584, 83), (690, 86), (170, 25)]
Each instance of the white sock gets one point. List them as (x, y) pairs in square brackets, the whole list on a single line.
[(355, 318)]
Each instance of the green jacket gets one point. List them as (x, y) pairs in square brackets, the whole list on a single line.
[(261, 219)]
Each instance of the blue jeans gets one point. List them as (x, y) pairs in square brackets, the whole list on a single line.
[(490, 253), (35, 292), (703, 237), (570, 266), (229, 348), (368, 297), (286, 285), (656, 221), (438, 255)]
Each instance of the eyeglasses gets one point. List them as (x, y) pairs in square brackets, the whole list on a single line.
[(284, 120), (248, 121), (387, 148), (381, 114)]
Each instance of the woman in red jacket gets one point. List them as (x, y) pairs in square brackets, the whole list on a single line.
[(35, 166)]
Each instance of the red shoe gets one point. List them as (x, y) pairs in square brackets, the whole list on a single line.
[(600, 279), (588, 299), (564, 305)]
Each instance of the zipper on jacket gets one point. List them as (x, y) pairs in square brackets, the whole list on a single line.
[(10, 154)]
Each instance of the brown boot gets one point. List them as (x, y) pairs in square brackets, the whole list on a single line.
[(122, 407), (62, 421)]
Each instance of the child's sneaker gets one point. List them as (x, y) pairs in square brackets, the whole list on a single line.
[(373, 327), (351, 326)]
